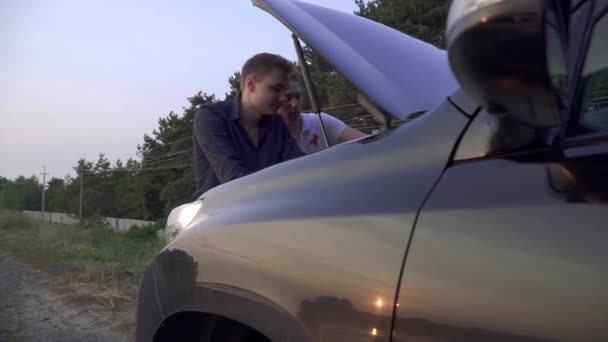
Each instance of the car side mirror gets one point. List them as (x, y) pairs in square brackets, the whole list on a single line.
[(510, 57)]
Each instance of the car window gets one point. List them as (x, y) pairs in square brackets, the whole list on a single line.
[(556, 57), (594, 114)]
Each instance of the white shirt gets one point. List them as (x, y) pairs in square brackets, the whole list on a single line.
[(311, 137)]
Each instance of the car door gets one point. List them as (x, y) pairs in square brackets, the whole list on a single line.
[(513, 248)]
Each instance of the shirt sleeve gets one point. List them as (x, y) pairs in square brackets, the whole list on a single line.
[(211, 134), (333, 127)]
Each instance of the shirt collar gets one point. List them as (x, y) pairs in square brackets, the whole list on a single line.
[(236, 107), (305, 122), (265, 126), (235, 113), (265, 122)]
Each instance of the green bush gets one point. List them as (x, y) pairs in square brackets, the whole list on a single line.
[(142, 233), (15, 220), (161, 223)]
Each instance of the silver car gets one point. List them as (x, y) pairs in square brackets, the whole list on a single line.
[(482, 220)]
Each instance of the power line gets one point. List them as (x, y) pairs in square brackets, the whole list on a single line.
[(160, 157), (356, 120), (334, 107), (164, 159), (365, 115), (172, 167), (169, 159), (167, 144)]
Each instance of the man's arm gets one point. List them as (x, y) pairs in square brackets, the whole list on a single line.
[(338, 131), (349, 133), (211, 134)]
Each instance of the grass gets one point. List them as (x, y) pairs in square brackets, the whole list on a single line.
[(92, 254)]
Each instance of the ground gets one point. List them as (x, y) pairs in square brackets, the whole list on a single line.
[(35, 306)]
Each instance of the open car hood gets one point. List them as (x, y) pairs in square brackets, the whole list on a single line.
[(402, 74)]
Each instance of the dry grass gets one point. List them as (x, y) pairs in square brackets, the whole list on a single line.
[(113, 261)]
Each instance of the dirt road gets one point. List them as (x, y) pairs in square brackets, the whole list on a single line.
[(37, 307)]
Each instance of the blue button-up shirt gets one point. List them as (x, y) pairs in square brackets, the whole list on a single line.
[(223, 150)]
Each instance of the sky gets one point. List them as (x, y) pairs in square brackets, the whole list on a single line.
[(80, 78)]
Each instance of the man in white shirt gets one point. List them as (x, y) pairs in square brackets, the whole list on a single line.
[(305, 128)]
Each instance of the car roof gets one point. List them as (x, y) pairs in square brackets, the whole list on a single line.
[(402, 74)]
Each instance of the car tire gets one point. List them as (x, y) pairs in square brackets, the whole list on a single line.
[(217, 329), (226, 331)]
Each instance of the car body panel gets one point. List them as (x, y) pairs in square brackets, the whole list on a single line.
[(412, 76), (275, 249), (464, 102), (149, 316), (508, 250)]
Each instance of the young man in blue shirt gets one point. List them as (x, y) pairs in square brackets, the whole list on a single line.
[(238, 137)]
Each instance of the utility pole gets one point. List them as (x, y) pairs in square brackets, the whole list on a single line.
[(81, 190), (44, 173)]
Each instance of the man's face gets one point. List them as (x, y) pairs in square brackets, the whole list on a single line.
[(290, 108), (268, 92)]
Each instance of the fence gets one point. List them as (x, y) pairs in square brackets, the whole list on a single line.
[(115, 223), (124, 224), (60, 218)]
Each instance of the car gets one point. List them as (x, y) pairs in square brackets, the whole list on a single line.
[(484, 219)]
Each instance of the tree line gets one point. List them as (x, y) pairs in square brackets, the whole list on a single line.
[(161, 177)]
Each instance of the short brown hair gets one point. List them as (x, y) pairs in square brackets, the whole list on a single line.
[(264, 63), (295, 78)]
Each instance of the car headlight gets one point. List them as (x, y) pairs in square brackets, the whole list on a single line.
[(180, 218)]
